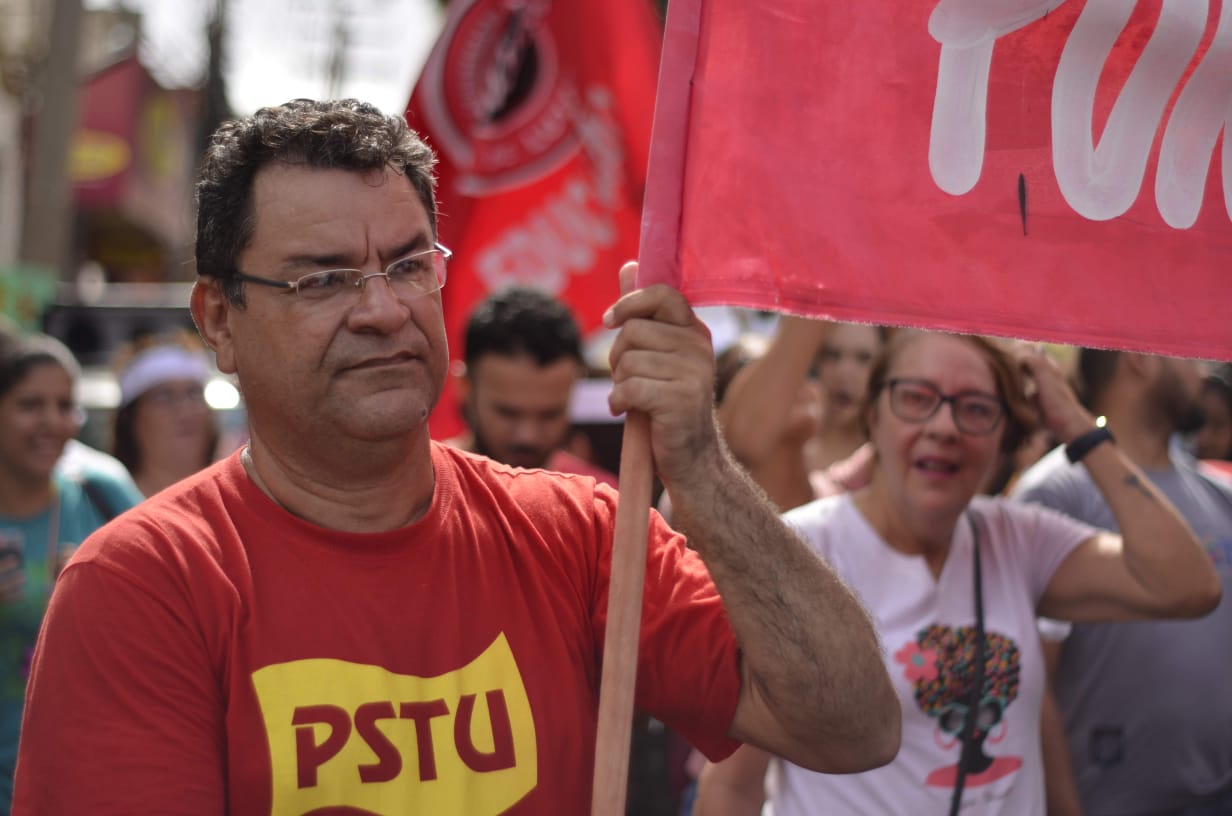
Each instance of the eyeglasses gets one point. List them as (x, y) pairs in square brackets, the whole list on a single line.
[(420, 273), (974, 413)]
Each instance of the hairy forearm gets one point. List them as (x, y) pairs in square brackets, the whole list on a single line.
[(811, 653), (1160, 550)]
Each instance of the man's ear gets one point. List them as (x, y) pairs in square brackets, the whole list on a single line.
[(211, 313)]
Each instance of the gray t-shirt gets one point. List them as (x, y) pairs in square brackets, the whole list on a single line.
[(1147, 705)]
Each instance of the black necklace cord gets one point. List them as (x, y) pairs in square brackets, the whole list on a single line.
[(969, 745)]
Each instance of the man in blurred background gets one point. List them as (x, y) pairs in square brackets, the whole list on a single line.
[(523, 356), (1147, 706)]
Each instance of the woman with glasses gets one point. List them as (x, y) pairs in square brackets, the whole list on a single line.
[(163, 430), (44, 513), (955, 580)]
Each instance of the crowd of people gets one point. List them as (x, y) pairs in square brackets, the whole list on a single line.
[(896, 571)]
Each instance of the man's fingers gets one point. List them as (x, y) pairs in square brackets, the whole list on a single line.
[(660, 303)]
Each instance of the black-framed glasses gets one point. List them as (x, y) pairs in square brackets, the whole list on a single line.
[(974, 412), (420, 273)]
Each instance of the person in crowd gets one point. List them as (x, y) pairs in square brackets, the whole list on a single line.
[(163, 429), (844, 359), (79, 461), (45, 511), (347, 615), (522, 358), (1146, 706), (769, 408), (955, 581), (796, 448), (1213, 440)]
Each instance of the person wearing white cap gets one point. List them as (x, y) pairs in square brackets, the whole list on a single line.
[(46, 510), (164, 430)]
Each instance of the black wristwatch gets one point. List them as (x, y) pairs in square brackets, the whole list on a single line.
[(1084, 444)]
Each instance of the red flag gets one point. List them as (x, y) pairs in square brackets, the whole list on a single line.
[(1035, 168), (541, 114)]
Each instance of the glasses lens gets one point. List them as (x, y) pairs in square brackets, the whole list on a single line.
[(913, 401), (324, 284), (418, 274), (976, 415)]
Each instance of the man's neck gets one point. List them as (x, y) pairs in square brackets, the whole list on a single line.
[(367, 489)]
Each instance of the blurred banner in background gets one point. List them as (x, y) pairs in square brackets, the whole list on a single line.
[(540, 112), (1050, 170)]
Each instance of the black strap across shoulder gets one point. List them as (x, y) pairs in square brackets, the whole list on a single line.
[(969, 744)]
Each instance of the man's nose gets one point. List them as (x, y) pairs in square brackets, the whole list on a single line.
[(379, 306)]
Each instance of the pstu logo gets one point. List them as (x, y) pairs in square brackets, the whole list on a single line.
[(357, 736)]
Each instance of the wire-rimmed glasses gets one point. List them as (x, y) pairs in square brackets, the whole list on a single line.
[(974, 412), (420, 273)]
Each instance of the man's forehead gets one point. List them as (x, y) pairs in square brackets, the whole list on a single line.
[(274, 181), (521, 374), (329, 200)]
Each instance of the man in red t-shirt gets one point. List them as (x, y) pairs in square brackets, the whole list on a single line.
[(348, 616)]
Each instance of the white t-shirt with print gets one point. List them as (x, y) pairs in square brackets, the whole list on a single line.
[(927, 628)]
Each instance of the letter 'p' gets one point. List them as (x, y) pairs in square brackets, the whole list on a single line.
[(311, 755)]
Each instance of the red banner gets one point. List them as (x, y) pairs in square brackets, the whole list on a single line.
[(1034, 168), (541, 114)]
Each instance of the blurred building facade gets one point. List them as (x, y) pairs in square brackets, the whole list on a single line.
[(128, 166)]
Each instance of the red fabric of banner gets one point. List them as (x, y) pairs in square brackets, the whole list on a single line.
[(540, 113), (1051, 170)]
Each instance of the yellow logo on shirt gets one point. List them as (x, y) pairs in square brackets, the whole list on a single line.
[(351, 735)]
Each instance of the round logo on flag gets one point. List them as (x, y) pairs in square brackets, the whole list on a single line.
[(494, 97)]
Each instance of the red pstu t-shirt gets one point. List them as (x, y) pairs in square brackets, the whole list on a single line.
[(209, 652)]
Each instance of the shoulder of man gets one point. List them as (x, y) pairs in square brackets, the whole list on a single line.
[(1052, 469), (1214, 477), (1054, 482), (565, 462), (188, 526), (530, 489)]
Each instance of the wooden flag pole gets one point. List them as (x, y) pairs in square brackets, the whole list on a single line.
[(624, 620)]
